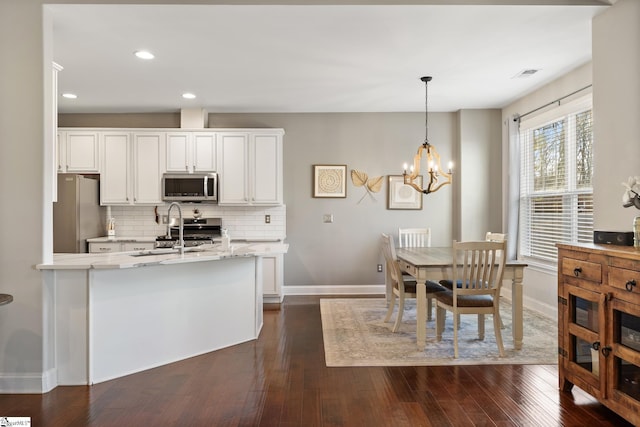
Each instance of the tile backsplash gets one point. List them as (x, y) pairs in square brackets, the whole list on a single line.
[(241, 222)]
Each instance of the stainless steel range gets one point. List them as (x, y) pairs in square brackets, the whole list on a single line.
[(197, 231)]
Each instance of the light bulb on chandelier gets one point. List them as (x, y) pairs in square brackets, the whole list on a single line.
[(437, 176)]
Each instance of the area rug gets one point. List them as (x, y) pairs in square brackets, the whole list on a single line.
[(355, 335)]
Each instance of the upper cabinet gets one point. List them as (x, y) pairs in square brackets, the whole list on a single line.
[(148, 150), (233, 185), (191, 152), (115, 182), (131, 162), (250, 167), (265, 154), (78, 152), (131, 168)]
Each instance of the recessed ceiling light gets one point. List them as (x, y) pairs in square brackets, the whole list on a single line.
[(188, 95), (144, 54), (69, 95)]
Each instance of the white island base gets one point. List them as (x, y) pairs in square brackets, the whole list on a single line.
[(114, 322)]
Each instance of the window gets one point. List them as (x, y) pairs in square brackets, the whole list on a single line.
[(556, 193)]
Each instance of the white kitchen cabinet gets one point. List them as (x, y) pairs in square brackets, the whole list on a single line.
[(131, 168), (148, 156), (78, 152), (250, 168), (115, 246), (115, 180), (137, 246), (191, 152), (233, 184), (105, 247), (265, 167), (272, 278)]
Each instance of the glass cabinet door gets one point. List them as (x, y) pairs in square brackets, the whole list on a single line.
[(584, 337), (624, 356)]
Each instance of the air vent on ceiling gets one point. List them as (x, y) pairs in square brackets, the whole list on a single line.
[(525, 73)]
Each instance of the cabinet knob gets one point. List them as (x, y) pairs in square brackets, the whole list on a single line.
[(630, 285), (605, 351), (577, 271), (596, 345)]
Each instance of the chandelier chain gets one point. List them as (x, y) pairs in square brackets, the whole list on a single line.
[(426, 112)]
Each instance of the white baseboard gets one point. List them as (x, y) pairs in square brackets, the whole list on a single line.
[(533, 304), (29, 383), (335, 290), (530, 303), (272, 299)]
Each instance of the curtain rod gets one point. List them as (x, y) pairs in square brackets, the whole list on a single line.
[(553, 102)]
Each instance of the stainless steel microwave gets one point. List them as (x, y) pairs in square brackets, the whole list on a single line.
[(190, 187)]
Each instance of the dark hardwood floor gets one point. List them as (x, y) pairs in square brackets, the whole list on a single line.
[(281, 380)]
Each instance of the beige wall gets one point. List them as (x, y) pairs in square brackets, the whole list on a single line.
[(137, 120), (479, 174), (616, 111), (22, 194)]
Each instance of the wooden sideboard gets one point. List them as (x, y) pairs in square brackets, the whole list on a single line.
[(599, 324)]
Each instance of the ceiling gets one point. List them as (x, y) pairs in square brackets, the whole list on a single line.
[(313, 58)]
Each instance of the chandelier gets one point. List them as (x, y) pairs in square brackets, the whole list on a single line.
[(437, 176)]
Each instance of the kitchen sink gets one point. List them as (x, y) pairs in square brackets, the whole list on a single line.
[(165, 251)]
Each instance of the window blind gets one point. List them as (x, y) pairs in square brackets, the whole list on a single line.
[(556, 192)]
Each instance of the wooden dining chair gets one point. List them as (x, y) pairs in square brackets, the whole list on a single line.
[(478, 269), (496, 237), (414, 237), (400, 288)]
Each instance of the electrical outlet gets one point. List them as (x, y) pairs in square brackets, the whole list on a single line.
[(328, 218), (379, 268), (165, 219), (267, 219)]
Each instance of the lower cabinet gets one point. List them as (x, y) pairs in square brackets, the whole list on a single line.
[(599, 324), (104, 247), (272, 278)]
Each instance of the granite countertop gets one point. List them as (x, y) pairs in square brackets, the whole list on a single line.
[(126, 239), (209, 252), (121, 239)]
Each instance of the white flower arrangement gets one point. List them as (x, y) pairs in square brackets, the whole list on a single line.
[(631, 196)]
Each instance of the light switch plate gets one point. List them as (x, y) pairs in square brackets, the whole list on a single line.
[(327, 218)]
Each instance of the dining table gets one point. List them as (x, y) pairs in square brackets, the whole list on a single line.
[(436, 263)]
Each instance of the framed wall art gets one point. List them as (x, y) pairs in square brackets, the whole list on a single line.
[(402, 196), (330, 181)]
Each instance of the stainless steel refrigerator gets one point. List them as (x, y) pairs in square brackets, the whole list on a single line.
[(77, 215)]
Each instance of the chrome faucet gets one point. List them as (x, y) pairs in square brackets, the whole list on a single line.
[(180, 244)]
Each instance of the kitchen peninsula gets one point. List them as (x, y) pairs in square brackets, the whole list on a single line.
[(120, 313)]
